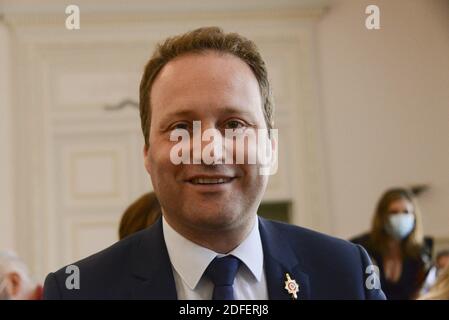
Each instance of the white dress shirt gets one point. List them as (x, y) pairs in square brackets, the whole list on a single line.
[(189, 261)]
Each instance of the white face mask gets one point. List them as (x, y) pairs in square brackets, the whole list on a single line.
[(400, 225)]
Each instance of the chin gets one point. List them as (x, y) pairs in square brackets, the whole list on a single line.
[(216, 218)]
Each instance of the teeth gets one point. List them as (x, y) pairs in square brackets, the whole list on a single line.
[(210, 181)]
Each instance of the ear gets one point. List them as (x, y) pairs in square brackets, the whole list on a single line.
[(15, 284), (146, 158), (274, 149)]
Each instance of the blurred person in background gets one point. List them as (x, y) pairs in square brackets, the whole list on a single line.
[(440, 290), (140, 214), (15, 281), (441, 262), (396, 244)]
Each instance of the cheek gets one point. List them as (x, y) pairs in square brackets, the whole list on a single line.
[(252, 186), (161, 165), (252, 179)]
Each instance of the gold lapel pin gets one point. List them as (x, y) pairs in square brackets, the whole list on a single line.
[(291, 286)]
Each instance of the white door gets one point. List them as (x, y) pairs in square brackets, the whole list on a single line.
[(79, 163)]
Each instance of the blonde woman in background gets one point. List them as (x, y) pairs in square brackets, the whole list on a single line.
[(396, 244)]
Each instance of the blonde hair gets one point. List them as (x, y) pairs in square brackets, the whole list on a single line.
[(440, 290), (413, 243), (199, 41)]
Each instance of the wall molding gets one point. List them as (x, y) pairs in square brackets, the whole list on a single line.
[(41, 221)]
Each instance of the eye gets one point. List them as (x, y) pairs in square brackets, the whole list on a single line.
[(234, 124), (180, 125)]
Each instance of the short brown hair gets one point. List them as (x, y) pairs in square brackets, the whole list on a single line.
[(199, 41)]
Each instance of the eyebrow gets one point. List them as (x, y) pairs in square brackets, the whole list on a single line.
[(192, 113)]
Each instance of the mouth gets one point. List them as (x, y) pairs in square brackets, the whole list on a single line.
[(210, 180), (211, 183)]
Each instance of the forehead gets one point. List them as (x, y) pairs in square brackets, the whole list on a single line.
[(400, 204), (205, 80)]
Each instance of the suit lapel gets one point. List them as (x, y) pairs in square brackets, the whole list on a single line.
[(279, 259), (152, 270), (153, 277)]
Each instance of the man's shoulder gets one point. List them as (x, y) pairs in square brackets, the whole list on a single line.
[(317, 248), (335, 268), (115, 254), (100, 273), (305, 237)]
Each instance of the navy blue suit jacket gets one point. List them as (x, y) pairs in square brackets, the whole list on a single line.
[(139, 267)]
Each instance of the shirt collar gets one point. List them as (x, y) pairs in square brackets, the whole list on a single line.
[(191, 260)]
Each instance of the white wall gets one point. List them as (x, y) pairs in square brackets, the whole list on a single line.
[(78, 166), (385, 111), (385, 100)]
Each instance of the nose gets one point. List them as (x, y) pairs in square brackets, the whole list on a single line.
[(208, 143)]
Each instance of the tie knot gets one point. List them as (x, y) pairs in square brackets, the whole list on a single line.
[(222, 271)]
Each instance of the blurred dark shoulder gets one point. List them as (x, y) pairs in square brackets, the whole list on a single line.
[(365, 241)]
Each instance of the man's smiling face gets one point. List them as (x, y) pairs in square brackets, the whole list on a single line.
[(221, 91)]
